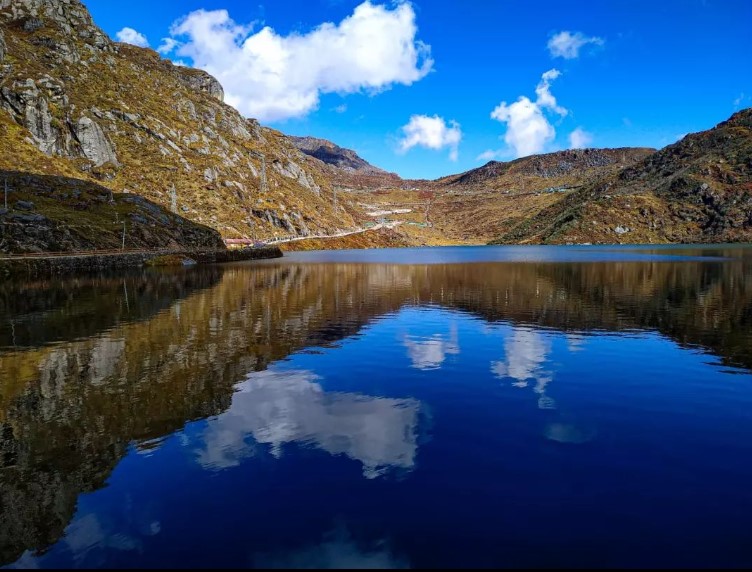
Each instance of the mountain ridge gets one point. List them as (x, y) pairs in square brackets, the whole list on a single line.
[(551, 165), (698, 189)]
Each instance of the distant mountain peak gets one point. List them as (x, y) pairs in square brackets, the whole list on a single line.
[(339, 157)]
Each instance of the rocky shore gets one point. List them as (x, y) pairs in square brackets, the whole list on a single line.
[(82, 262)]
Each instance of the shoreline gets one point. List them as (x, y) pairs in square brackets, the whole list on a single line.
[(82, 262)]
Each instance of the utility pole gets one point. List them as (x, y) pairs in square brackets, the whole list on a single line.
[(174, 200), (264, 182), (123, 247)]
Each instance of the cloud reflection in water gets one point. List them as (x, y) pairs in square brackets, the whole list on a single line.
[(430, 353), (526, 353), (338, 550), (276, 407)]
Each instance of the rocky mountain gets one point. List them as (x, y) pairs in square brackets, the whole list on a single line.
[(346, 168), (75, 103), (331, 154), (697, 190)]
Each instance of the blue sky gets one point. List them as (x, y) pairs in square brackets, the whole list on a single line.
[(650, 72)]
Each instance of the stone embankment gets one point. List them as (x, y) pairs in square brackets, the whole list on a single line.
[(41, 265)]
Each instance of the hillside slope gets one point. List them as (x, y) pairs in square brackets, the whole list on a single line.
[(75, 103), (54, 214), (483, 202), (696, 190)]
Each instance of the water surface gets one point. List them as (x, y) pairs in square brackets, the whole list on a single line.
[(511, 406)]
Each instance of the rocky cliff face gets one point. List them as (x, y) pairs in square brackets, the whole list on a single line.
[(75, 103)]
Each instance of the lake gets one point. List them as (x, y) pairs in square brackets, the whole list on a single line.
[(489, 406)]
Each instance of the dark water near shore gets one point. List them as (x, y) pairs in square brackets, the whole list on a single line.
[(521, 406)]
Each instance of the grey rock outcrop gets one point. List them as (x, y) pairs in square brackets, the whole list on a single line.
[(94, 143), (69, 16), (3, 48), (31, 108), (294, 171), (199, 80)]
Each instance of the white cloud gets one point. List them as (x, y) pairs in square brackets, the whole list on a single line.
[(567, 45), (579, 139), (488, 155), (340, 108), (528, 129), (131, 36), (275, 77), (431, 133), (543, 91), (168, 45)]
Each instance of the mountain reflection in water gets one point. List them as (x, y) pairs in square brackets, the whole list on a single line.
[(295, 374)]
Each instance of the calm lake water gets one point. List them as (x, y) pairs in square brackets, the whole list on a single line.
[(521, 406)]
